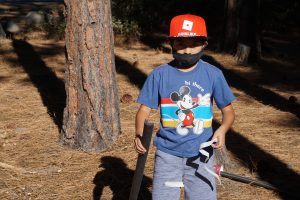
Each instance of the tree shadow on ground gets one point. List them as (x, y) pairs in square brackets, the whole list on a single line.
[(50, 87), (265, 165), (118, 177), (279, 72), (135, 75), (3, 78), (259, 93)]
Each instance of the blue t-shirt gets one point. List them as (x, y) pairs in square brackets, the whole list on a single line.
[(185, 100)]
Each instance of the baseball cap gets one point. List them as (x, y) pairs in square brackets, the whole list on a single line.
[(187, 26)]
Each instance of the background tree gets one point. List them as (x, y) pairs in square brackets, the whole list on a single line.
[(248, 31), (231, 29), (91, 117), (242, 29)]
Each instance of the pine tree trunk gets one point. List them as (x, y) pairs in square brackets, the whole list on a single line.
[(242, 53), (2, 32), (258, 31), (91, 117), (231, 28), (248, 27)]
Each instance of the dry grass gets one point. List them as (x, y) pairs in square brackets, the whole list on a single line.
[(34, 166)]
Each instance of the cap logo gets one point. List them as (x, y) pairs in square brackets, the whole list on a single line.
[(187, 25)]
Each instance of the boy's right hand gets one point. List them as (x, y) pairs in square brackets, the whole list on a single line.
[(138, 146)]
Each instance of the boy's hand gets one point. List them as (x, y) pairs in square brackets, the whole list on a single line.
[(220, 136), (139, 148), (140, 118), (227, 121)]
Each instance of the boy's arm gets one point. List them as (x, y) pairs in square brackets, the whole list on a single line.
[(227, 121), (141, 116)]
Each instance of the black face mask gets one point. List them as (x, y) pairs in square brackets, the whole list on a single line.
[(186, 60)]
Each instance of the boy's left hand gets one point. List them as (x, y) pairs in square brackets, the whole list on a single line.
[(220, 136), (227, 121)]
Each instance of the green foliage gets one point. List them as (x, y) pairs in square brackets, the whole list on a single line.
[(147, 15), (125, 27), (31, 26), (55, 23), (55, 29)]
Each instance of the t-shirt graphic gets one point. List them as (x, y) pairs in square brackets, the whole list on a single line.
[(183, 111)]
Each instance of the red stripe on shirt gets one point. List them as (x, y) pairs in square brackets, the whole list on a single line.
[(170, 101)]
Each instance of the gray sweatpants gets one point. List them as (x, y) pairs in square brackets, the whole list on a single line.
[(198, 183)]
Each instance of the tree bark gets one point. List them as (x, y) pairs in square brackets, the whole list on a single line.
[(231, 29), (248, 27), (242, 53), (2, 32), (258, 30), (91, 117)]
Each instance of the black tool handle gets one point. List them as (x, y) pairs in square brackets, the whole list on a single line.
[(141, 161), (248, 180)]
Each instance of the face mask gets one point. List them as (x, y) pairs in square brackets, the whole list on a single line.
[(186, 60)]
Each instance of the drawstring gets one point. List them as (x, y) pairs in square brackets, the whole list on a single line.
[(217, 169), (206, 144)]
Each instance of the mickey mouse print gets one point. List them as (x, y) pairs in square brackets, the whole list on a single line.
[(184, 112)]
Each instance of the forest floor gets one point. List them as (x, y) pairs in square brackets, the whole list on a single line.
[(263, 144)]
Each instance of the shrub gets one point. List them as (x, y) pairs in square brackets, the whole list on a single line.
[(125, 27)]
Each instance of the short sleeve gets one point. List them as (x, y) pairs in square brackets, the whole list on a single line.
[(149, 95), (221, 91)]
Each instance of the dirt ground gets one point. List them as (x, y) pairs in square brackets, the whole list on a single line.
[(263, 144)]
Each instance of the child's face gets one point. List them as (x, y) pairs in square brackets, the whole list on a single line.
[(188, 45)]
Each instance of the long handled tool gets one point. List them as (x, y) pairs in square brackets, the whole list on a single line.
[(218, 170), (140, 165), (248, 180)]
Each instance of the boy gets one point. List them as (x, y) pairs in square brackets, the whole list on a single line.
[(184, 89)]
